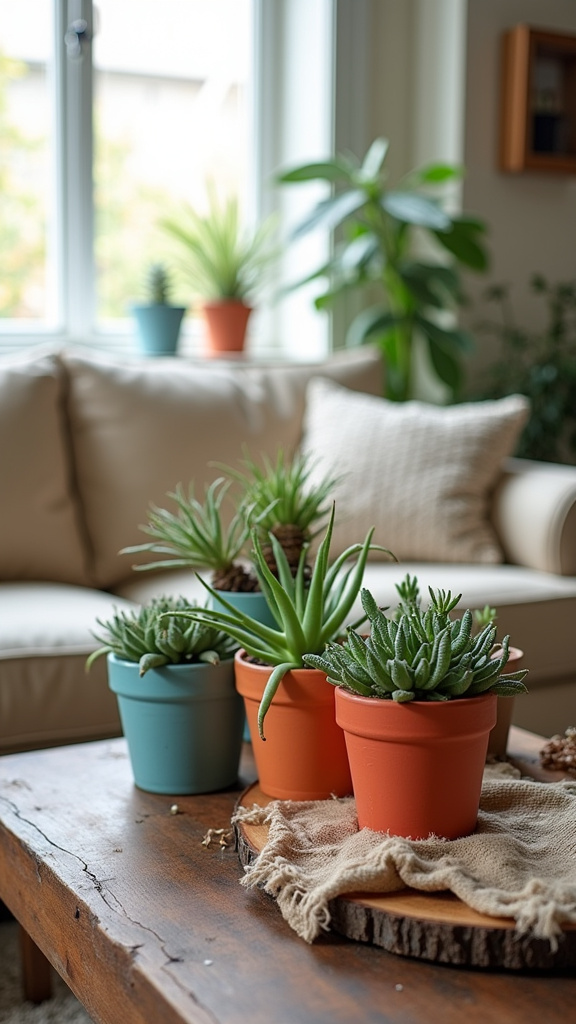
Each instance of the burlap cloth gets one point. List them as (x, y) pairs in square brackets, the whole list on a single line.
[(520, 862)]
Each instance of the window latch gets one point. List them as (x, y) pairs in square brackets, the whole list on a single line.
[(75, 35)]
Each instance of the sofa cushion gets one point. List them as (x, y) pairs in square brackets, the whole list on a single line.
[(46, 695), (140, 427), (40, 537), (421, 474)]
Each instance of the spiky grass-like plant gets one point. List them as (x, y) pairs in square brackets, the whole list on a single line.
[(222, 258), (308, 614), (151, 640), (280, 500), (419, 655), (195, 537)]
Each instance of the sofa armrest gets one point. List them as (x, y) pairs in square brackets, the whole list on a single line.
[(534, 515)]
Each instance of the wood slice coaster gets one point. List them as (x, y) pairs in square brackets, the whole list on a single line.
[(428, 926)]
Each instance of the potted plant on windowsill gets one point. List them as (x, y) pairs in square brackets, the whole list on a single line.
[(180, 712), (303, 756), (158, 321), (417, 701), (223, 261)]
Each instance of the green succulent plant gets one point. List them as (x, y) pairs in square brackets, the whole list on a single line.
[(308, 613), (195, 537), (273, 498), (151, 640), (419, 655), (278, 500), (159, 285)]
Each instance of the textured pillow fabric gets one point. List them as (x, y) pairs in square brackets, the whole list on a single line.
[(421, 474), (39, 529), (141, 426)]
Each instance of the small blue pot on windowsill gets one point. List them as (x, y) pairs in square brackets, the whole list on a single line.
[(158, 327)]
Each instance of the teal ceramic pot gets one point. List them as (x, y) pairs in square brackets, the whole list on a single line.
[(253, 604), (158, 328), (183, 725)]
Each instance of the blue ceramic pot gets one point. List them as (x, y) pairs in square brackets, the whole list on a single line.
[(252, 603), (183, 725), (158, 328)]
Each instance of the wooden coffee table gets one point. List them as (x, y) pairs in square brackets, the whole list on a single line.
[(149, 926)]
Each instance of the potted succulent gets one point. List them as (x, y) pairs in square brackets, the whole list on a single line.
[(158, 321), (303, 755), (378, 257), (272, 497), (417, 700), (180, 712), (223, 261)]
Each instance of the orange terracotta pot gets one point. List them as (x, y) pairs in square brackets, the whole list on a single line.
[(498, 741), (226, 324), (416, 767), (304, 754)]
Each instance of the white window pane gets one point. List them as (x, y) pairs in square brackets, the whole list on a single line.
[(170, 101), (27, 283)]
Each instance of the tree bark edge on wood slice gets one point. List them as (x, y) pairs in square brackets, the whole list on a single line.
[(427, 926)]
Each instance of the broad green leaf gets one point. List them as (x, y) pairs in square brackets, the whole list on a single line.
[(325, 170), (415, 209), (328, 213), (434, 174), (463, 242), (370, 322), (374, 159)]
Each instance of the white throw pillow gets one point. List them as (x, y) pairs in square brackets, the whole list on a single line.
[(422, 474)]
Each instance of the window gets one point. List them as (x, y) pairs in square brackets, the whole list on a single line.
[(111, 116), (114, 111)]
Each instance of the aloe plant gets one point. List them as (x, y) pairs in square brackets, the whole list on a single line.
[(419, 655), (308, 614), (195, 537), (147, 638)]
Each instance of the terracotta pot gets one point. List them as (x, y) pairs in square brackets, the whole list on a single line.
[(498, 741), (226, 324), (304, 754), (416, 767)]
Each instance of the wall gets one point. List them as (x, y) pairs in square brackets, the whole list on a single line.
[(532, 216)]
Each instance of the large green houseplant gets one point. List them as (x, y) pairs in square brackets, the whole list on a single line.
[(174, 681), (417, 701), (223, 261), (380, 256), (304, 757)]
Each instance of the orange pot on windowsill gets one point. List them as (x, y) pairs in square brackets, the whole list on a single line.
[(304, 754), (416, 767), (226, 325)]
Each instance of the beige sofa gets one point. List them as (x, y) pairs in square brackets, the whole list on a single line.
[(88, 441)]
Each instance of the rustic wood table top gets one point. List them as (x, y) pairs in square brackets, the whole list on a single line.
[(149, 926)]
